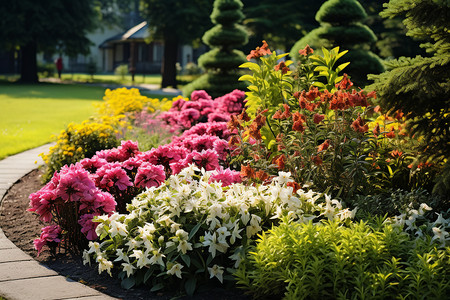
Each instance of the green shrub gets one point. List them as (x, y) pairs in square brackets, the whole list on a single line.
[(330, 261), (122, 71)]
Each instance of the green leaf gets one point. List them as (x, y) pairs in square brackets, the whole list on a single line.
[(194, 231), (128, 283), (186, 259), (319, 84), (247, 78), (253, 88), (148, 274), (190, 286), (196, 263), (341, 54), (156, 287), (342, 66), (209, 260), (252, 66), (281, 56)]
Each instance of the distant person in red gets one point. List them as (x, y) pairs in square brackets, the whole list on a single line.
[(59, 66)]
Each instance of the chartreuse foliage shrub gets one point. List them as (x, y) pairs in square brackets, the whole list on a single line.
[(194, 228), (222, 62), (329, 261), (115, 116), (341, 26)]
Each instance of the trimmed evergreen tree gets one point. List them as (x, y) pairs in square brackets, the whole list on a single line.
[(420, 86), (341, 26), (222, 62)]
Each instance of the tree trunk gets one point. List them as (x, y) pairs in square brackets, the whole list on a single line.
[(169, 69), (28, 66)]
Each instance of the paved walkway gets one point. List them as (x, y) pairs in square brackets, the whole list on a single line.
[(21, 277)]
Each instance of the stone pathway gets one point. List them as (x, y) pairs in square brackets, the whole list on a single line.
[(21, 277)]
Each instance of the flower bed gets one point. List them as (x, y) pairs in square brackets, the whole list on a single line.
[(263, 182)]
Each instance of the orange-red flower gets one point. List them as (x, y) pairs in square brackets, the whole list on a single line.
[(247, 172), (345, 83), (323, 146), (234, 140), (396, 153), (376, 130), (306, 51), (234, 123), (298, 119), (313, 93), (261, 175), (280, 161), (282, 67), (295, 186), (259, 51), (391, 134), (318, 118), (317, 160), (359, 126)]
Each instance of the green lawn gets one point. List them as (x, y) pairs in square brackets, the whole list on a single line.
[(31, 114)]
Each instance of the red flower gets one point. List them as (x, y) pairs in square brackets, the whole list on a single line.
[(282, 67), (391, 134), (261, 175), (313, 93), (306, 51), (345, 83), (280, 161), (323, 146), (398, 114), (318, 118), (259, 51), (396, 153), (317, 160), (376, 130), (247, 172), (295, 186), (359, 126)]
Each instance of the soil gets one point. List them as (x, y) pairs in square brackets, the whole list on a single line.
[(22, 227)]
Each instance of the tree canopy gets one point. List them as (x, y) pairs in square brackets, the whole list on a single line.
[(38, 25), (420, 86), (175, 22)]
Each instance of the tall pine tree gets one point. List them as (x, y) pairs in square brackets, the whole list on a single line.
[(420, 86), (341, 26), (222, 62)]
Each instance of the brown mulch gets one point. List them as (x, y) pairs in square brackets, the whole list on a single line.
[(22, 227)]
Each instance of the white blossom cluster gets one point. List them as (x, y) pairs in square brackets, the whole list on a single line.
[(413, 222), (188, 213)]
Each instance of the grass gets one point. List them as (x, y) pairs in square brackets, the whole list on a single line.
[(31, 114)]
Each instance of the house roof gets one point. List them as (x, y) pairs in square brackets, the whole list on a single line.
[(139, 32)]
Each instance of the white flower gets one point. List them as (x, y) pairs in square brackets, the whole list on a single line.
[(175, 270), (157, 257), (440, 234), (104, 264), (86, 258), (235, 234), (118, 228), (184, 246), (94, 247), (237, 257), (133, 244), (216, 271), (284, 177), (129, 268), (181, 234), (214, 244), (423, 207), (222, 234), (440, 220), (121, 255)]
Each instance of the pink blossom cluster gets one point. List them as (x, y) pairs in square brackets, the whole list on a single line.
[(49, 234), (112, 178), (202, 108)]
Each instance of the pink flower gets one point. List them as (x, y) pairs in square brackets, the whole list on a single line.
[(74, 181), (149, 175), (178, 105), (199, 143), (112, 175), (218, 117), (128, 149), (201, 94), (105, 201), (92, 164), (226, 176), (49, 234), (41, 202), (207, 159), (111, 155), (222, 148), (87, 226)]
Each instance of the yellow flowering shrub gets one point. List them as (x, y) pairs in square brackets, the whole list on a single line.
[(78, 141)]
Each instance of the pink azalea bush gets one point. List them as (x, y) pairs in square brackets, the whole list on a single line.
[(108, 181)]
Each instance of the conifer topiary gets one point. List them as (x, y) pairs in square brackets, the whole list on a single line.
[(222, 62), (341, 26), (420, 86)]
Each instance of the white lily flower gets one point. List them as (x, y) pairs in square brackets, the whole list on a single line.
[(175, 270), (129, 268), (216, 271)]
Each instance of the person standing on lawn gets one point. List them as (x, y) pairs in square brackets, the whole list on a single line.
[(59, 66)]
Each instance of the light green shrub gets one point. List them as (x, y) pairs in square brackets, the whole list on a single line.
[(330, 261)]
